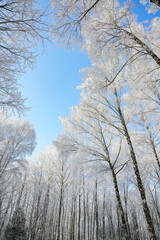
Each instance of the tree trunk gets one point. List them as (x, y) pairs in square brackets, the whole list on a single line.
[(122, 215), (137, 173)]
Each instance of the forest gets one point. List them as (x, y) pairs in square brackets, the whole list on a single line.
[(100, 179)]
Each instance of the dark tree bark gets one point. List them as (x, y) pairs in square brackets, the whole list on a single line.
[(137, 173), (157, 2)]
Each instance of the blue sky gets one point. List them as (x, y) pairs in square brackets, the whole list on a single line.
[(50, 89), (51, 86)]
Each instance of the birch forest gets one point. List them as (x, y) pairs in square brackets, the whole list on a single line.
[(100, 179)]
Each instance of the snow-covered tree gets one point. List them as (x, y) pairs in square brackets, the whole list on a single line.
[(17, 141), (23, 24)]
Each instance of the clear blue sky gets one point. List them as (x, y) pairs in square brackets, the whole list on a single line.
[(51, 87), (51, 90)]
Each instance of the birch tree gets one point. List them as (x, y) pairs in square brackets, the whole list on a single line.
[(23, 25)]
